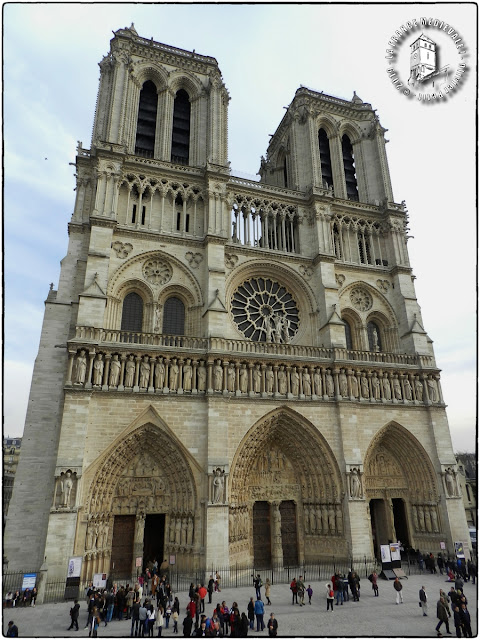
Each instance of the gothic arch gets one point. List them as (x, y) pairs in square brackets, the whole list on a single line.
[(303, 445), (328, 124), (350, 130), (380, 304), (150, 444), (182, 80), (395, 454), (143, 72)]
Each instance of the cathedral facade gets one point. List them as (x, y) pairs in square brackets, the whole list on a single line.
[(230, 372)]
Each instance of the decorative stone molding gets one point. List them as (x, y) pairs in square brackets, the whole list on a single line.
[(339, 279), (306, 272), (217, 485), (193, 259), (122, 249), (361, 299), (230, 260), (383, 285), (450, 481), (65, 490), (157, 272), (355, 482)]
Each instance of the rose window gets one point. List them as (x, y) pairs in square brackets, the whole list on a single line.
[(264, 311), (361, 299), (157, 271)]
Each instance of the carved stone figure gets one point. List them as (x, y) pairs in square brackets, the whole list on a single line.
[(418, 389), (354, 384), (375, 340), (98, 370), (201, 378), (178, 531), (294, 382), (421, 518), (159, 375), (307, 383), (376, 387), (434, 518), (355, 484), (144, 372), (364, 385), (331, 518), (269, 379), (66, 485), (243, 379), (342, 381), (231, 378), (81, 368), (218, 484), (187, 376), (282, 382), (190, 532), (312, 522), (184, 531), (408, 389), (432, 389), (217, 377), (173, 384), (415, 518), (317, 382), (450, 482), (129, 371), (330, 385), (387, 391), (115, 367), (257, 377)]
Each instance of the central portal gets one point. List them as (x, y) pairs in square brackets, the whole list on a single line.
[(289, 533), (262, 547)]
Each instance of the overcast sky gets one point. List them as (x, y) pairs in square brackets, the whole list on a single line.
[(265, 52)]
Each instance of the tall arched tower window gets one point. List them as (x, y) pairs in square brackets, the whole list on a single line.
[(147, 119), (374, 337), (132, 313), (349, 168), (325, 159), (181, 128), (174, 317), (348, 335)]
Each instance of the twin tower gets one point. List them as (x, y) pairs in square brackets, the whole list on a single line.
[(230, 372)]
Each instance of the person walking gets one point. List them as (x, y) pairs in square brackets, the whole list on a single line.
[(210, 588), (187, 625), (293, 589), (443, 614), (135, 619), (259, 612), (422, 595), (257, 583), (272, 626), (398, 586), (268, 585), (160, 620), (12, 631), (466, 621), (74, 616), (330, 595), (175, 621), (251, 612), (458, 620), (301, 591), (310, 593)]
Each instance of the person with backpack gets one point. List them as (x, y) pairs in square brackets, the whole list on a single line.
[(301, 590), (257, 583), (293, 589), (398, 586), (259, 611), (330, 595), (74, 616)]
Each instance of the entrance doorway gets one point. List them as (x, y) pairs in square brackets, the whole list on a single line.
[(400, 521), (153, 538), (262, 549), (289, 533), (381, 531), (122, 546)]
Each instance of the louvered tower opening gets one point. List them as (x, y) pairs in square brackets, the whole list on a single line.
[(325, 159), (181, 128), (349, 169), (147, 120)]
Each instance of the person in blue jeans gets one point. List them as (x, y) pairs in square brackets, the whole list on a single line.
[(259, 611)]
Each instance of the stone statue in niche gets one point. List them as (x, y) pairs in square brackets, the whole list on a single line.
[(217, 377), (129, 371), (66, 483), (408, 389), (432, 389), (294, 380), (342, 380), (187, 376), (355, 484), (282, 381), (317, 383), (174, 375), (376, 346), (387, 391), (231, 378), (144, 372), (419, 389), (243, 379), (354, 383), (202, 377), (98, 370), (364, 386), (269, 379), (157, 319), (376, 387), (218, 484), (159, 375), (397, 388), (450, 482), (257, 377), (307, 383), (81, 368), (115, 367), (330, 385)]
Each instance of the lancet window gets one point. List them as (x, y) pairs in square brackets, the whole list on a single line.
[(348, 335), (174, 317), (132, 313), (181, 128), (273, 226), (374, 337), (325, 158), (147, 118), (349, 169), (358, 241)]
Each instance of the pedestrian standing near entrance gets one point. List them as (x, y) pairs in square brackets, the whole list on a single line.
[(259, 612), (187, 625), (374, 581), (293, 589), (251, 612), (74, 616), (301, 590), (443, 614), (160, 620), (398, 586), (257, 583), (457, 619), (330, 596), (310, 594), (135, 619), (466, 621), (210, 588), (268, 585), (422, 594), (272, 626)]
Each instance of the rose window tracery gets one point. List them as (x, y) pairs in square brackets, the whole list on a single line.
[(265, 311), (361, 299), (157, 271)]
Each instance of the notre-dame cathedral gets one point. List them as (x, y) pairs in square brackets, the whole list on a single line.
[(230, 371)]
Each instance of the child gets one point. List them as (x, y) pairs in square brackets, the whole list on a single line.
[(310, 594), (168, 613), (175, 621)]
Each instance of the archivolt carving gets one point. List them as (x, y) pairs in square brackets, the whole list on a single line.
[(378, 301), (144, 471), (276, 458), (395, 461)]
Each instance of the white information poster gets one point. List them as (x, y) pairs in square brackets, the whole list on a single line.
[(395, 551), (74, 567), (100, 580), (385, 551)]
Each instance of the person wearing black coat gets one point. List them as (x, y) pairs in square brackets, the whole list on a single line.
[(187, 626), (74, 615)]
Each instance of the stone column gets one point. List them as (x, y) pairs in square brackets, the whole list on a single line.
[(91, 357), (108, 357), (276, 534), (138, 538), (121, 378)]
